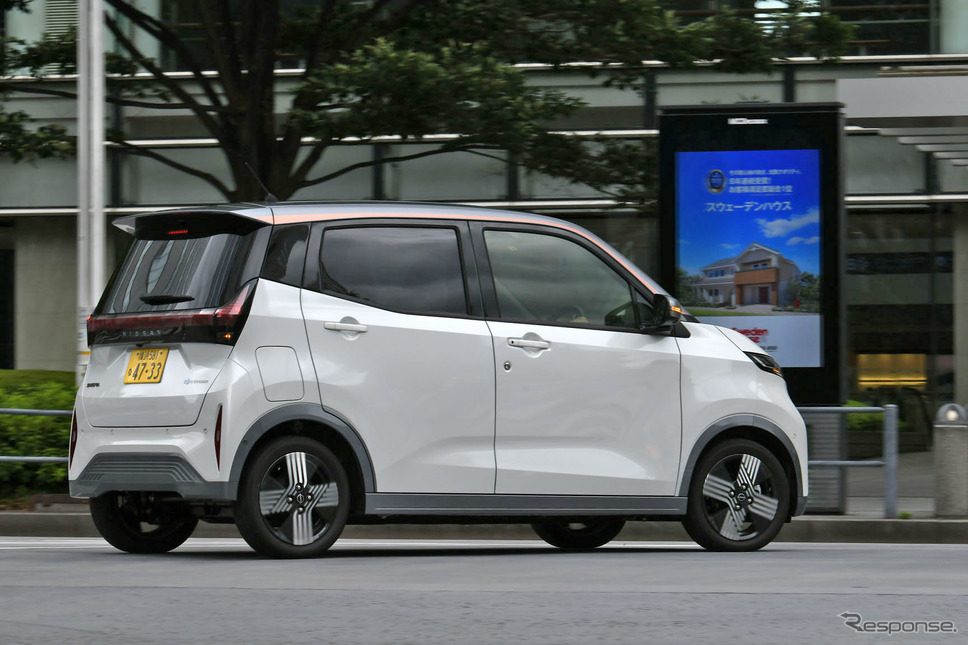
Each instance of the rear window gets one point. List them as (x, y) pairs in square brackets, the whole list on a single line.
[(184, 272)]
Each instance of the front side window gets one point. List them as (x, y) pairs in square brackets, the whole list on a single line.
[(544, 278), (407, 269)]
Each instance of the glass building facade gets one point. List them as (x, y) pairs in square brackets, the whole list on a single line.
[(902, 207)]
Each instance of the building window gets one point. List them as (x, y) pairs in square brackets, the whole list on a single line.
[(900, 314)]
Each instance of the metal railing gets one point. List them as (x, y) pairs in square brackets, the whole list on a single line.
[(889, 461)]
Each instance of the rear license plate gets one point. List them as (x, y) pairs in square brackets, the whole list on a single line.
[(146, 365)]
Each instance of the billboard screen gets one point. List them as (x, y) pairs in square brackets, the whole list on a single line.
[(751, 228), (748, 246)]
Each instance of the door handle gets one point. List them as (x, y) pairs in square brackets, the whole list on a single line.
[(528, 343), (342, 326)]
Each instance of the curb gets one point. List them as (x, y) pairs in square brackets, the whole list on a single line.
[(802, 529)]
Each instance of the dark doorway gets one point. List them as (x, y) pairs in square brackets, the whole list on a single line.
[(6, 309), (764, 295)]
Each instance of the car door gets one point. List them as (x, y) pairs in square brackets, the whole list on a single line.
[(402, 354), (587, 404)]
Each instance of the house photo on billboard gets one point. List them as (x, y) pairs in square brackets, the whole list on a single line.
[(757, 276)]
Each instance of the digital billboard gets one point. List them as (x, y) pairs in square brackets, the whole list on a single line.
[(748, 246), (751, 199)]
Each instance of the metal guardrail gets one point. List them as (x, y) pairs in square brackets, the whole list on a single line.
[(34, 413), (889, 462)]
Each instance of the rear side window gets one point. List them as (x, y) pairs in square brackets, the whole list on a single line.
[(408, 269), (286, 254), (184, 273)]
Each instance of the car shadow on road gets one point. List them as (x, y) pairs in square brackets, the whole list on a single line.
[(428, 551)]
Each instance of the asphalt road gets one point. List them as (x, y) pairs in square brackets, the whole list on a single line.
[(80, 590)]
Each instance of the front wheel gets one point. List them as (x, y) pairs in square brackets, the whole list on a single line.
[(294, 499), (739, 498), (141, 522), (582, 535)]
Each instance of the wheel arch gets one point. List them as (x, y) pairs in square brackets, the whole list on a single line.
[(754, 428), (326, 427)]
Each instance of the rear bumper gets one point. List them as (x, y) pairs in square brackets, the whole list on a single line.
[(168, 472)]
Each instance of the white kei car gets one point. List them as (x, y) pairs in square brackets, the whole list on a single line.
[(294, 367)]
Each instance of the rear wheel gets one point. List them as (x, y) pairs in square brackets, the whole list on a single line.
[(581, 535), (141, 522), (294, 499), (739, 498)]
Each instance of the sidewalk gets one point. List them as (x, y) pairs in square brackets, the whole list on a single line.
[(863, 521)]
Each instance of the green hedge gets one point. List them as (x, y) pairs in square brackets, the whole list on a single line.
[(865, 422), (34, 436)]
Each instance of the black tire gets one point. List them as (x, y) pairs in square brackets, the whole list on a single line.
[(142, 522), (294, 499), (579, 535), (739, 498)]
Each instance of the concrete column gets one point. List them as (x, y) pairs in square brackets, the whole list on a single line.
[(45, 265), (951, 462), (954, 27)]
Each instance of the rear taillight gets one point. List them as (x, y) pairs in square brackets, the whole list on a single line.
[(228, 320), (220, 325), (70, 452)]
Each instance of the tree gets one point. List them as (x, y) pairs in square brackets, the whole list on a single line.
[(686, 282), (806, 290), (17, 138), (407, 68)]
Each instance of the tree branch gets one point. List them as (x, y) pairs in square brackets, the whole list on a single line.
[(371, 14), (153, 105), (315, 48), (165, 37), (175, 87), (5, 88), (485, 155), (224, 53), (417, 155), (171, 163)]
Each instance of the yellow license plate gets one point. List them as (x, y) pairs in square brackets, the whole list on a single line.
[(146, 365)]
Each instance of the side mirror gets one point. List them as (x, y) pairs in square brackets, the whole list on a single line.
[(666, 312)]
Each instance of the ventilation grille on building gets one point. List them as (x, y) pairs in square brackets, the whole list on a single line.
[(60, 16)]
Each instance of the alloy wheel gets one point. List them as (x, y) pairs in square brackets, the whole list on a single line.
[(298, 498), (739, 497)]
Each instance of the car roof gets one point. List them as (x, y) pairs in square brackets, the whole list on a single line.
[(294, 212), (285, 213), (275, 213)]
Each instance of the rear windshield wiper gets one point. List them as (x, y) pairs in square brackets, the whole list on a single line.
[(165, 299)]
